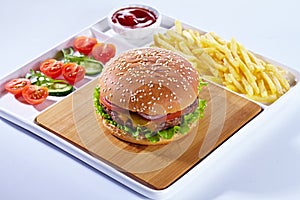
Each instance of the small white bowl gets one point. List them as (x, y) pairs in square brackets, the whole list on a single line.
[(135, 33)]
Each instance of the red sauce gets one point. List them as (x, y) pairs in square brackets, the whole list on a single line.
[(134, 17)]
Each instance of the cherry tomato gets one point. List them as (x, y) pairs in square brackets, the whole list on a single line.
[(34, 94), (51, 68), (84, 44), (16, 86), (73, 72), (103, 52)]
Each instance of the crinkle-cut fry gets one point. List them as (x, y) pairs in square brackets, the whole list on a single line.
[(269, 82)]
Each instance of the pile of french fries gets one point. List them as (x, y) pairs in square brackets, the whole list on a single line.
[(226, 62)]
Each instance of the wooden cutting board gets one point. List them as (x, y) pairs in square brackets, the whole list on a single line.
[(157, 167)]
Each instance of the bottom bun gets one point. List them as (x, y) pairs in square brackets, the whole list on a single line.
[(123, 135)]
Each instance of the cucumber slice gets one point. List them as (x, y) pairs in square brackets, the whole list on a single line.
[(60, 89), (92, 67)]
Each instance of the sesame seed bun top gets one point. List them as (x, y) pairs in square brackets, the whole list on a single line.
[(151, 81)]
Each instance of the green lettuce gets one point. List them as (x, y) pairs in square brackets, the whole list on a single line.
[(153, 136)]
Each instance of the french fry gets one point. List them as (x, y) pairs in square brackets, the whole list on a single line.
[(227, 63), (269, 82), (178, 26), (262, 88)]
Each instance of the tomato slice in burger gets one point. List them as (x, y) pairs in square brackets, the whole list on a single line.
[(73, 72), (51, 68), (84, 44), (16, 86), (103, 52), (34, 94)]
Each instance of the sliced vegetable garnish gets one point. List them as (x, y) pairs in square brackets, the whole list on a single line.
[(60, 89), (84, 44), (91, 66), (51, 68), (15, 86), (103, 52), (34, 94), (73, 72), (55, 87)]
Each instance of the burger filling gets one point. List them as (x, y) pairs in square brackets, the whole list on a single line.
[(153, 128)]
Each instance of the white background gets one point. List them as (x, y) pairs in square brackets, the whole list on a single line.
[(261, 164)]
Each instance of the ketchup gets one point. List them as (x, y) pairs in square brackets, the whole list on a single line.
[(134, 17)]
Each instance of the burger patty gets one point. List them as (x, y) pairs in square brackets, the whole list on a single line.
[(160, 125)]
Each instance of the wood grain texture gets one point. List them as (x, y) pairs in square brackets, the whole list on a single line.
[(74, 119)]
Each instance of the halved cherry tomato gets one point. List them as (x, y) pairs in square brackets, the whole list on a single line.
[(51, 68), (103, 52), (16, 86), (34, 94), (73, 72), (84, 44)]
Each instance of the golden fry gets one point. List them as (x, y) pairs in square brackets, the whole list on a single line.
[(227, 63)]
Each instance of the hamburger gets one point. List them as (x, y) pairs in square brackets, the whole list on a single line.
[(149, 96)]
